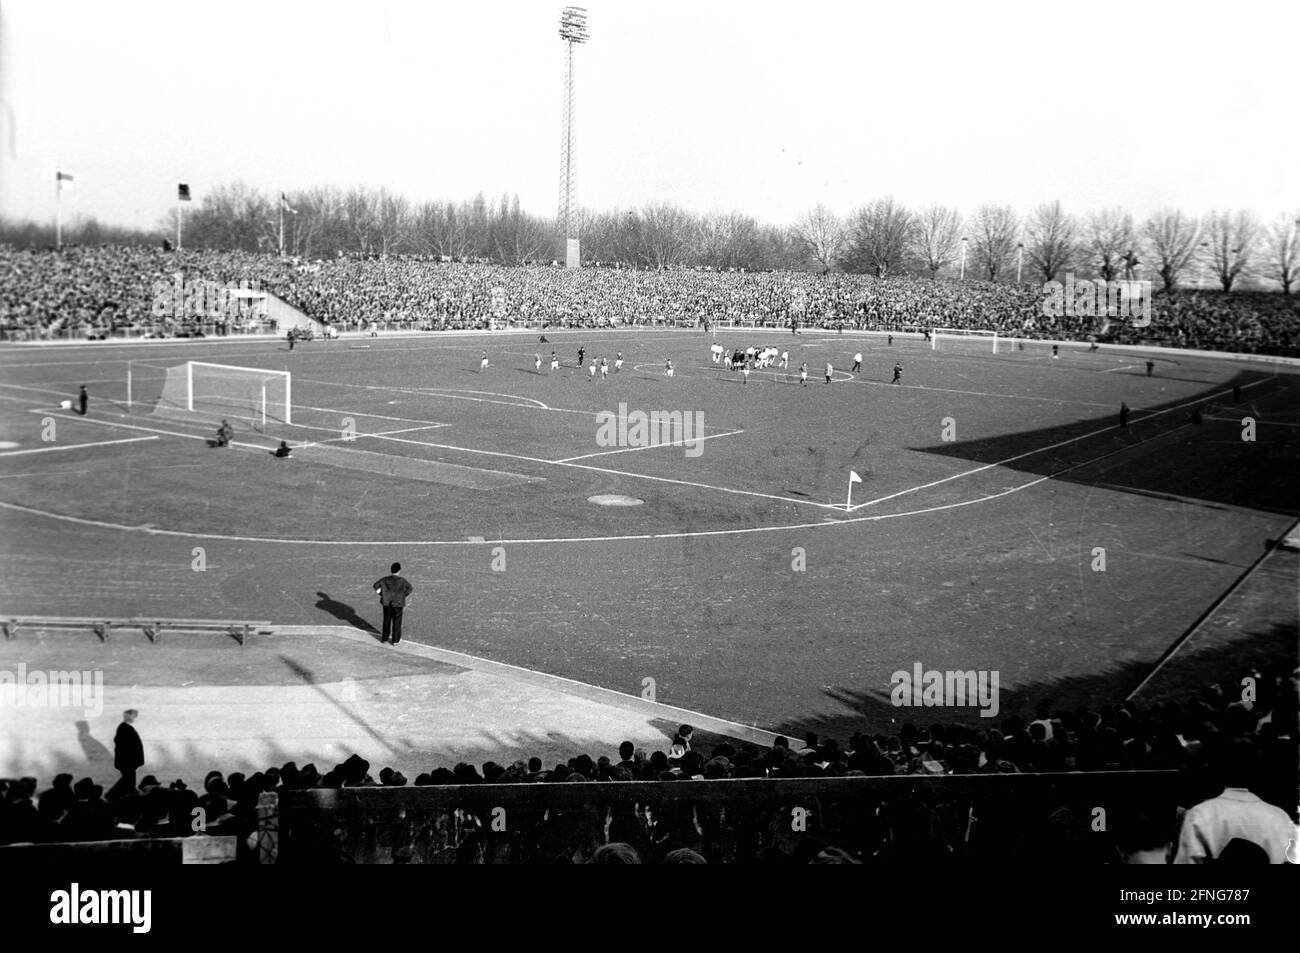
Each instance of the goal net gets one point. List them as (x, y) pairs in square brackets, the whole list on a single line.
[(251, 396), (963, 339)]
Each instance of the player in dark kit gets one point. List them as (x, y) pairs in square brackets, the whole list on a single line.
[(82, 399), (1151, 366), (898, 373), (581, 353), (1123, 416)]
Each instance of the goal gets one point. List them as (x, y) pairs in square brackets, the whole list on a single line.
[(250, 395), (964, 339)]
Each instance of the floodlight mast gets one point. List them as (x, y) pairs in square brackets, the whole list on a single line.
[(573, 30)]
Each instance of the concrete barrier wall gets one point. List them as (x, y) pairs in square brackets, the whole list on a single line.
[(996, 818), (137, 852)]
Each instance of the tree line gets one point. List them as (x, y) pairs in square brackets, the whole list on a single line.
[(882, 237)]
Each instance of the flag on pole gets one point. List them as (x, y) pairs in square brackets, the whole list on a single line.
[(853, 477), (60, 178), (182, 192), (284, 204)]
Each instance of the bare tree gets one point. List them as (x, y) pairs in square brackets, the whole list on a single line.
[(1171, 236), (936, 237), (821, 234), (664, 229), (1109, 242), (392, 221), (1232, 238), (995, 228), (878, 237), (1282, 255), (1050, 239)]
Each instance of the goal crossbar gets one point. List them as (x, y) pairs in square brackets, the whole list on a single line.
[(962, 333)]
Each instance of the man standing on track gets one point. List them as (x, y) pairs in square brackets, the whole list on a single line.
[(128, 754), (393, 591)]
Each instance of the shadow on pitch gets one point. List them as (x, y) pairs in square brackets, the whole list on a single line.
[(344, 613)]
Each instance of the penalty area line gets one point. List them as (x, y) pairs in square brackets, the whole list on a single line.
[(76, 446), (675, 443)]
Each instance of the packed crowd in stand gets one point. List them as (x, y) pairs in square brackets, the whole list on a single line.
[(98, 291), (1215, 741)]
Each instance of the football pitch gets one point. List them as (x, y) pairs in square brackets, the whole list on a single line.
[(1004, 521)]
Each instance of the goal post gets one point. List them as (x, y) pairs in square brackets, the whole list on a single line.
[(254, 395), (982, 340)]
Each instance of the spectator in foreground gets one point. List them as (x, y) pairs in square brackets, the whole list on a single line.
[(1237, 813)]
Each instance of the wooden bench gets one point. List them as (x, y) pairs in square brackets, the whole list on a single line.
[(151, 626)]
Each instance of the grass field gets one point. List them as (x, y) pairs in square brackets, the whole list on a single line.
[(743, 584)]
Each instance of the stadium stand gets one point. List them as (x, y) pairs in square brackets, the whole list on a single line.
[(106, 291), (1193, 743)]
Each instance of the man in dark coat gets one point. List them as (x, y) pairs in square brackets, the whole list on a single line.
[(128, 754), (392, 590)]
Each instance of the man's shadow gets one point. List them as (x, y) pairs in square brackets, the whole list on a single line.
[(93, 750), (344, 613)]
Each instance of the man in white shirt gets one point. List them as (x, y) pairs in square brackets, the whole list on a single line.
[(1236, 813)]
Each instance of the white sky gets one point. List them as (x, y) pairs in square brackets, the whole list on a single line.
[(761, 107)]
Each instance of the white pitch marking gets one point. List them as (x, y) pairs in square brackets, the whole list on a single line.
[(352, 438), (152, 531), (1030, 453), (430, 392), (75, 446), (977, 393), (358, 413), (675, 443), (1126, 367), (1262, 423), (154, 430)]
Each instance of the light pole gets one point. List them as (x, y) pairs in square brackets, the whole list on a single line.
[(1020, 260), (963, 258), (573, 30)]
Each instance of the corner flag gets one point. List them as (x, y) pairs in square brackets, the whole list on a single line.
[(853, 478), (60, 178)]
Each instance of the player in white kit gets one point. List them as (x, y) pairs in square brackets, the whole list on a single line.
[(537, 362), (785, 359), (591, 371), (482, 365), (555, 362), (604, 369), (668, 368), (618, 361), (803, 373)]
